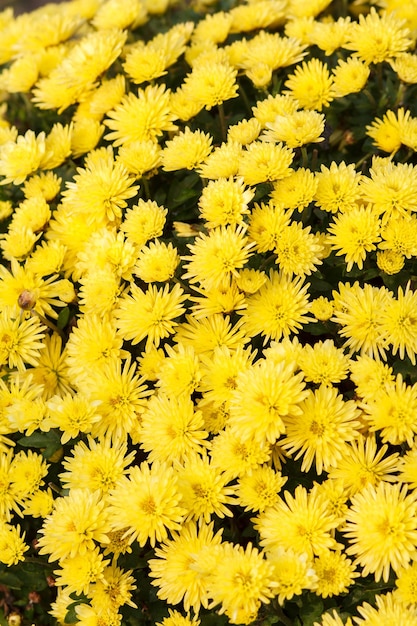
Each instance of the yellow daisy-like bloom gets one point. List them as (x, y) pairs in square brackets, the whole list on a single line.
[(390, 261), (242, 582), (144, 63), (354, 234), (369, 376), (87, 614), (378, 37), (320, 429), (299, 522), (292, 571), (179, 373), (337, 187), (97, 466), (144, 221), (399, 324), (186, 150), (105, 97), (265, 161), (330, 35), (10, 498), (408, 467), (223, 162), (216, 257), (85, 135), (214, 27), (272, 51), (266, 395), (358, 311), (298, 251), (311, 85), (279, 308), (140, 157), (27, 470), (39, 504), (223, 299), (266, 110), (146, 503), (77, 521), (22, 157), (149, 313), (382, 528), (219, 373), (297, 129), (156, 262), (224, 201), (405, 64), (142, 117), (72, 414), (179, 570), (45, 184), (266, 223), (323, 363), (244, 132), (391, 189), (349, 76), (335, 574), (389, 131), (12, 544), (237, 455), (250, 280), (113, 589), (210, 84), (209, 333), (204, 489), (296, 191), (117, 390), (260, 488), (406, 585), (363, 464), (80, 571), (20, 339), (171, 430), (399, 234), (322, 309), (394, 412)]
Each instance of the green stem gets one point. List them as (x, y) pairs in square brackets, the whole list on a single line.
[(223, 125), (146, 187), (282, 617), (304, 156), (245, 99)]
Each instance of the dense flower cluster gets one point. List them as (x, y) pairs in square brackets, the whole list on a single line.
[(208, 313)]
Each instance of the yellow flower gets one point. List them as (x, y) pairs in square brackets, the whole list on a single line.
[(266, 395), (186, 150), (45, 184), (211, 332), (358, 311), (146, 504), (399, 234), (322, 309), (78, 520), (72, 414), (279, 308), (333, 619), (20, 339), (299, 522), (144, 221), (393, 412), (85, 135), (390, 261), (337, 187), (80, 571), (405, 64), (12, 544), (22, 157), (349, 76), (330, 35), (224, 201), (222, 162), (335, 574), (241, 581), (369, 376), (177, 619), (293, 572), (257, 15), (267, 110), (265, 161), (120, 14), (171, 429), (399, 325), (382, 529), (140, 157), (237, 455), (260, 488), (354, 234), (141, 118), (378, 37), (149, 313), (406, 585), (311, 84), (323, 363), (210, 84), (298, 251), (96, 466), (320, 429), (388, 132), (216, 257), (113, 589), (178, 568), (156, 262), (244, 132), (266, 223), (296, 129), (102, 99)]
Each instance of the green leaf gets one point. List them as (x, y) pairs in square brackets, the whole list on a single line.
[(10, 580), (48, 442), (311, 610), (63, 318)]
